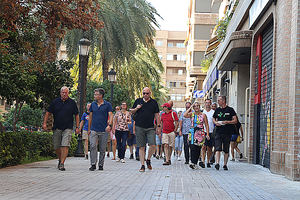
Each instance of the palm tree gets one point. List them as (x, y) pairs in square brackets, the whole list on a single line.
[(141, 70), (126, 23)]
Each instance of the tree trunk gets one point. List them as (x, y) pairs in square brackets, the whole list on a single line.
[(17, 113), (104, 68)]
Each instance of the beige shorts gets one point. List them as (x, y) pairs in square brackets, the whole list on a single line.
[(62, 138), (85, 135), (168, 138)]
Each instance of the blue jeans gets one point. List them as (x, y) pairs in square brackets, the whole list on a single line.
[(121, 137), (178, 143)]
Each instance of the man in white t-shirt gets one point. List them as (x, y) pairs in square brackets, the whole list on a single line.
[(208, 144)]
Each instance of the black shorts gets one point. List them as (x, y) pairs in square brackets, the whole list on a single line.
[(209, 143), (222, 142)]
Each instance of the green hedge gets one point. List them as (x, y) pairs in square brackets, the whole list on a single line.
[(16, 147)]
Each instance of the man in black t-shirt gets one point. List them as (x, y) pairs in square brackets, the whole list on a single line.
[(144, 110), (63, 110), (224, 118)]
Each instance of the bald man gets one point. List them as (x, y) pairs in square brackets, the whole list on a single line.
[(145, 109)]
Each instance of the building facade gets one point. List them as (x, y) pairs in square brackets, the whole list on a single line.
[(202, 18), (172, 53), (258, 69)]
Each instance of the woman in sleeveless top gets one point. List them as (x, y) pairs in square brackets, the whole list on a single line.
[(197, 133), (120, 129)]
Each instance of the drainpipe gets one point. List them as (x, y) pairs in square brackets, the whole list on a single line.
[(246, 132)]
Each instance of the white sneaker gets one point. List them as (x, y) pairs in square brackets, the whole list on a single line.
[(118, 160), (122, 161), (179, 159)]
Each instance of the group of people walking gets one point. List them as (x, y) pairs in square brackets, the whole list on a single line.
[(202, 134)]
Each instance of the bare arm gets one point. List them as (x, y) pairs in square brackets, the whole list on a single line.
[(180, 126), (216, 122), (242, 132), (90, 122), (206, 126), (45, 120), (114, 124), (188, 113), (158, 122), (233, 121), (81, 125)]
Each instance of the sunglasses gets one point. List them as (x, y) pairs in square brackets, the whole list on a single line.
[(146, 93)]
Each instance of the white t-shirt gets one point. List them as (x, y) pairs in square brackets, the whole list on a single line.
[(209, 116)]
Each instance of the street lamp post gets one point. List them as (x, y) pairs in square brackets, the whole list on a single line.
[(112, 78), (84, 46)]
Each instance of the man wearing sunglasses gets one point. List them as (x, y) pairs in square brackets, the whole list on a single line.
[(145, 109)]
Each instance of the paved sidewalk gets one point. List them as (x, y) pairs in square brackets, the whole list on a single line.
[(120, 181)]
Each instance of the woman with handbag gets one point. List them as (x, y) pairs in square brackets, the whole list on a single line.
[(197, 133), (236, 139)]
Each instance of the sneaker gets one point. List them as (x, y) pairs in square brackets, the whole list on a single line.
[(137, 158), (148, 162), (142, 168), (208, 165), (179, 159), (166, 163), (225, 167), (201, 164), (131, 156), (92, 168), (100, 168), (61, 167), (217, 166), (122, 161), (58, 164), (186, 162), (232, 159), (118, 160), (193, 166), (241, 156), (86, 156)]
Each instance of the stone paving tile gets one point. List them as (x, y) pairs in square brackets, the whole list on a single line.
[(122, 181)]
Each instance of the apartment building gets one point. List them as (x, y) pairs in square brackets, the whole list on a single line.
[(202, 18), (258, 69), (172, 52)]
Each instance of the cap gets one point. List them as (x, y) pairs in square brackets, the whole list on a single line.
[(166, 105)]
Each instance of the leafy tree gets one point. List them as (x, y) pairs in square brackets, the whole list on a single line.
[(121, 93), (28, 117), (118, 39)]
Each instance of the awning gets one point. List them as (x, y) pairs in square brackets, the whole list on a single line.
[(237, 52)]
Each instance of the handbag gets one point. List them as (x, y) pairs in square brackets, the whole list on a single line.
[(238, 139)]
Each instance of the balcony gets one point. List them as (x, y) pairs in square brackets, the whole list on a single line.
[(238, 50), (196, 71)]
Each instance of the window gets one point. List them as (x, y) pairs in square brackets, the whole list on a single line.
[(158, 43), (173, 97), (182, 84), (172, 85), (203, 6), (197, 57), (182, 57), (203, 31), (170, 44), (175, 57), (180, 72), (180, 45), (169, 56)]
